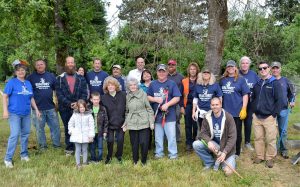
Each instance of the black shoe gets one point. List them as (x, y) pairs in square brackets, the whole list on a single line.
[(269, 163), (285, 155), (120, 160), (189, 148), (108, 161)]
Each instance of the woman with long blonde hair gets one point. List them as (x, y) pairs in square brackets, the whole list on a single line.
[(235, 98)]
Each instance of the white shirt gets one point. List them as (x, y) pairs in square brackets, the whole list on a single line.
[(135, 73)]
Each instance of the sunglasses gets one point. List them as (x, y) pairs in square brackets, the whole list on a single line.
[(206, 72), (263, 68)]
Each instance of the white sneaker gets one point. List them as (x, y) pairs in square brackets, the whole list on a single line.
[(25, 158), (8, 164), (249, 146)]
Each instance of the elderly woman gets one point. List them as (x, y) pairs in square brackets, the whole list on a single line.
[(114, 100), (17, 102), (235, 98), (205, 89), (139, 117)]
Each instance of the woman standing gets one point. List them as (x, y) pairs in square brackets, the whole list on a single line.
[(146, 79), (205, 90), (139, 117), (235, 98), (114, 101), (189, 84), (17, 102)]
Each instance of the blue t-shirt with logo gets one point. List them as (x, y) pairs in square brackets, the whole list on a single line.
[(233, 92), (43, 86), (251, 79), (205, 93), (160, 89), (19, 96), (217, 121), (95, 81)]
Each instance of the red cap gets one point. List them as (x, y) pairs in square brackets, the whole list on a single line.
[(173, 62)]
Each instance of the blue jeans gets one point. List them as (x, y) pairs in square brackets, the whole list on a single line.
[(190, 125), (282, 120), (50, 117), (65, 117), (207, 156), (97, 143), (19, 126), (169, 130)]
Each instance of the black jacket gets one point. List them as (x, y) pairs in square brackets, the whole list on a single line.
[(102, 120), (266, 98), (116, 107)]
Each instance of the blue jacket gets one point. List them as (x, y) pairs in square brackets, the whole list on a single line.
[(64, 95), (266, 98)]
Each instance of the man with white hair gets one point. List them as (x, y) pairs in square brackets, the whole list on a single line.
[(251, 79)]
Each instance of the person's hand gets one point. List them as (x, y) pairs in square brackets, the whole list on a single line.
[(38, 114), (124, 127), (211, 146), (222, 157), (243, 113), (182, 110), (194, 116), (152, 126), (159, 100), (104, 135), (292, 104), (5, 114), (74, 105), (164, 107), (91, 139)]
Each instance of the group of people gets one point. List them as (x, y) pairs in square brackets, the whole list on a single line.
[(95, 106)]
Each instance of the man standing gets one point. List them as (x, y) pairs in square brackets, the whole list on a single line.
[(96, 77), (177, 78), (70, 87), (251, 79), (288, 99), (137, 73), (117, 74), (217, 135), (43, 84), (164, 95), (267, 96)]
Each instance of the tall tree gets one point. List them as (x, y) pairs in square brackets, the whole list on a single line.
[(217, 25)]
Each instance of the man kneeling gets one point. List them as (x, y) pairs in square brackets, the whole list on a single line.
[(217, 137)]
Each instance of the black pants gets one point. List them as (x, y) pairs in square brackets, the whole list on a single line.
[(248, 124), (238, 124), (139, 138), (190, 125), (110, 142), (65, 117), (151, 137)]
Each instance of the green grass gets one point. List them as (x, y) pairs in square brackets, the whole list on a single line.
[(53, 168)]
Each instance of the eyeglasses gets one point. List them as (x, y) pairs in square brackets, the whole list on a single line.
[(263, 68)]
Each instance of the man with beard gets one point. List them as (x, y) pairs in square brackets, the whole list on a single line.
[(70, 87)]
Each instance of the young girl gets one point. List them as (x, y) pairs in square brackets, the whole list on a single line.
[(81, 129)]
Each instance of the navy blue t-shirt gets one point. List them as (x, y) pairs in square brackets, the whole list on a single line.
[(157, 89), (121, 80), (43, 86), (19, 96), (251, 79), (217, 127), (95, 81), (233, 92), (205, 93)]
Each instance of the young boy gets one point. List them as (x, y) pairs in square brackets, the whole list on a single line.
[(101, 123)]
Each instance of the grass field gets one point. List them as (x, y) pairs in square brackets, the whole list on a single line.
[(53, 168)]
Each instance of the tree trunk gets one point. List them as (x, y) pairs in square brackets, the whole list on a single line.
[(61, 48), (218, 23)]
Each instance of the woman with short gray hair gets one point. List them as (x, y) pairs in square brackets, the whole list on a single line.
[(139, 120)]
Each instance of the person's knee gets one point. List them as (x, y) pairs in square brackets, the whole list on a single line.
[(198, 145)]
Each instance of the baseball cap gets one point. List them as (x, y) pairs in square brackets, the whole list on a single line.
[(230, 63), (19, 62), (117, 66), (276, 64), (173, 62), (161, 67)]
